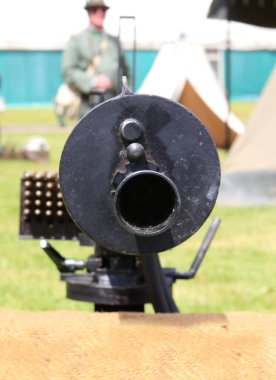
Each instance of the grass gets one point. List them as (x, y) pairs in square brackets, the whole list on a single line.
[(243, 109), (46, 115), (29, 116), (237, 274), (28, 280)]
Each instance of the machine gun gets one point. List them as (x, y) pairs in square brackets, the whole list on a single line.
[(138, 175)]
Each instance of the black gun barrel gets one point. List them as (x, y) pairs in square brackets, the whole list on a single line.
[(139, 174)]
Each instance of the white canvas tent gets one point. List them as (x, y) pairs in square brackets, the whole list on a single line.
[(181, 72), (225, 34), (249, 171)]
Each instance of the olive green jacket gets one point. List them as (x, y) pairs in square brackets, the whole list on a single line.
[(79, 55)]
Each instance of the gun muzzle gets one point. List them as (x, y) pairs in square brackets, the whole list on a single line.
[(139, 174), (146, 203)]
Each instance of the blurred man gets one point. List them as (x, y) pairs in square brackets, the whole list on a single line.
[(91, 60)]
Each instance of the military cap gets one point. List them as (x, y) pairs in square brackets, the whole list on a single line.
[(95, 3)]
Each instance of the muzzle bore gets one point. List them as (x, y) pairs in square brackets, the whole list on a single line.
[(146, 203)]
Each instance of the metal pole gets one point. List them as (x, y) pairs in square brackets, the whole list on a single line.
[(134, 50)]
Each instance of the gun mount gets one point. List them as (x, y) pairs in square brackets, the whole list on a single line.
[(138, 175)]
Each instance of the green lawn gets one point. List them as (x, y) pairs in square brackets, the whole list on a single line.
[(28, 116), (46, 115), (31, 116), (243, 109), (237, 274)]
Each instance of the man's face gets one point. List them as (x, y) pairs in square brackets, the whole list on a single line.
[(97, 16)]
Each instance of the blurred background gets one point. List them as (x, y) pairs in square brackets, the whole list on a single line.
[(32, 37), (222, 68)]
